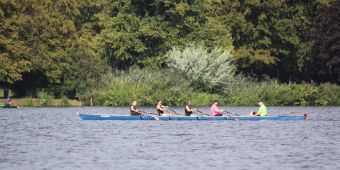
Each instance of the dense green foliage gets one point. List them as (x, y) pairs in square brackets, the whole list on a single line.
[(70, 47), (41, 41), (45, 99), (290, 94), (145, 86), (326, 64), (148, 86)]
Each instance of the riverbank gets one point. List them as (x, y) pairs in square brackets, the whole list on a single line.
[(35, 102), (147, 86)]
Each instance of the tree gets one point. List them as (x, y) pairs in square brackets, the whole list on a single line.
[(84, 75), (326, 65), (270, 37), (141, 32), (38, 41), (13, 51), (36, 37)]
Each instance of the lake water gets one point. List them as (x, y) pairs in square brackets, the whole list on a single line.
[(56, 138)]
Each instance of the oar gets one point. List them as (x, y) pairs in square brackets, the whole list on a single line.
[(154, 115), (145, 112), (174, 111), (201, 112), (226, 113)]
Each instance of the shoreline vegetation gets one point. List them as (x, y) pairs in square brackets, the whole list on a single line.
[(292, 94), (35, 102), (149, 85)]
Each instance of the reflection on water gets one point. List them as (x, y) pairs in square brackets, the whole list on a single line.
[(55, 138)]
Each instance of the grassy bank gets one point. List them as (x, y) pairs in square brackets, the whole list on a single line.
[(43, 99), (35, 102), (148, 86)]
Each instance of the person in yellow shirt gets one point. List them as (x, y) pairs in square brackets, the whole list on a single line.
[(262, 110)]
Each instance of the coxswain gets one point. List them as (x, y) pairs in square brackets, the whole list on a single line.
[(262, 110)]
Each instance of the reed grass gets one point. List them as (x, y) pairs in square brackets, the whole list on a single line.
[(147, 86)]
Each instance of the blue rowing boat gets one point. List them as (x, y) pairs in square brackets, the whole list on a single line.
[(151, 117)]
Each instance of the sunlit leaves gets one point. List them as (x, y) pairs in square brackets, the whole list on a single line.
[(205, 70)]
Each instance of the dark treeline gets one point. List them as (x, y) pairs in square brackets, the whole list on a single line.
[(67, 45)]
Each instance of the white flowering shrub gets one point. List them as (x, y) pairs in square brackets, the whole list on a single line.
[(205, 70)]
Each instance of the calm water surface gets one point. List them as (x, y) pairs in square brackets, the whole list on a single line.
[(56, 138)]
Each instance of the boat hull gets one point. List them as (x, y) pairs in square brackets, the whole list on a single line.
[(179, 118), (10, 107)]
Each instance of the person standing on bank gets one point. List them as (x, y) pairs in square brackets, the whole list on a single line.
[(8, 102), (215, 111), (188, 109), (133, 109), (262, 110)]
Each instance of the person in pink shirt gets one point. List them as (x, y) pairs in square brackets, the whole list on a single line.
[(215, 111)]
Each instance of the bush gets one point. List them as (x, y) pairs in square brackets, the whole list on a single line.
[(329, 94), (205, 99), (29, 102), (145, 86), (273, 93), (45, 99), (64, 101), (120, 93), (306, 94), (205, 70)]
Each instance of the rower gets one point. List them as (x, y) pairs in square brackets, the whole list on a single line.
[(188, 109), (160, 108), (133, 109), (8, 103), (215, 111), (262, 110)]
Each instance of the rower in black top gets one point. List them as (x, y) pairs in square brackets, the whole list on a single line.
[(188, 109), (133, 109), (160, 108)]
